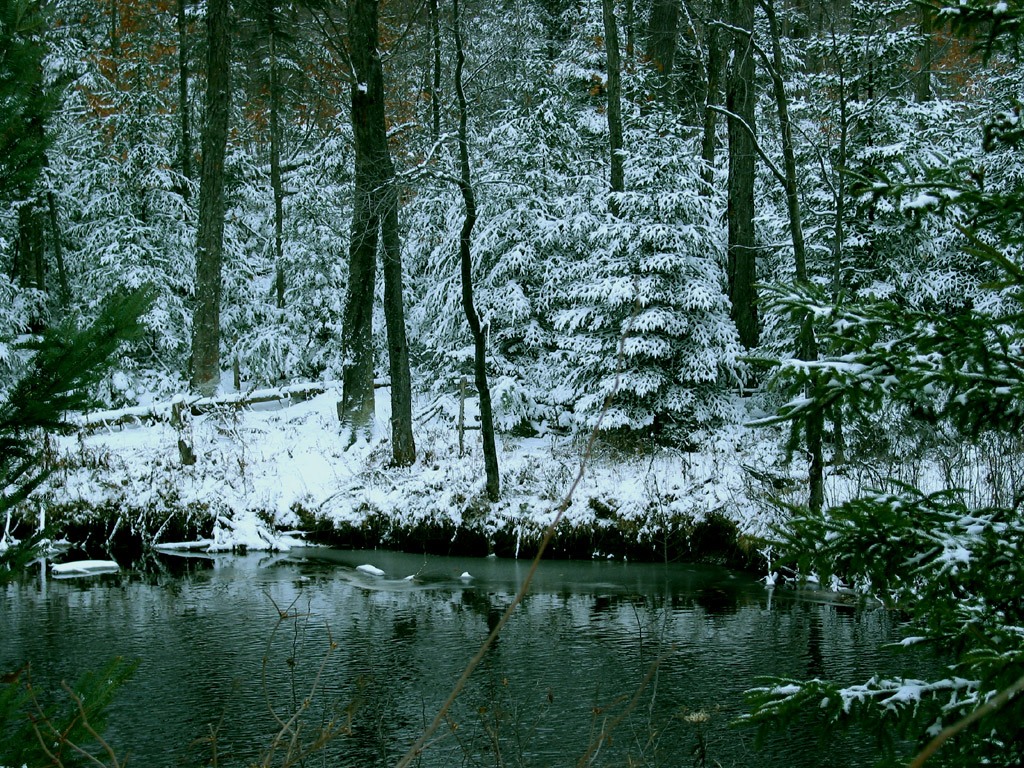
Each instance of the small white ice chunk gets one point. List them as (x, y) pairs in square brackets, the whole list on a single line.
[(466, 575), (370, 569)]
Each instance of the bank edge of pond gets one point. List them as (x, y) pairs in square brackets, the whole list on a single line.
[(124, 531)]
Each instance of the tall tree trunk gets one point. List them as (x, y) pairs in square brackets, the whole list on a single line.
[(210, 236), (184, 108), (709, 140), (275, 166), (611, 43), (479, 336), (115, 30), (630, 24), (402, 445), (923, 81), (808, 345), (839, 236), (30, 262), (355, 409), (435, 87), (662, 33), (740, 100), (58, 251), (376, 206)]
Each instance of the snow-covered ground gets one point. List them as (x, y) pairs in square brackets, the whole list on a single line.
[(264, 471)]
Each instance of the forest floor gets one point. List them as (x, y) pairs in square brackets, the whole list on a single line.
[(270, 474)]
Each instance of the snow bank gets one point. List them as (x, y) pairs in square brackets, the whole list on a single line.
[(261, 473)]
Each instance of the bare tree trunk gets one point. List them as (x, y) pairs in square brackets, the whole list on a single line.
[(30, 262), (714, 75), (435, 88), (611, 42), (184, 108), (807, 344), (356, 406), (923, 81), (58, 251), (662, 32), (740, 100), (275, 165), (402, 445), (210, 236), (479, 336), (376, 206), (838, 439)]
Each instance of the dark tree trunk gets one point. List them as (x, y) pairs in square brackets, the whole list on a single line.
[(630, 24), (30, 262), (184, 108), (210, 235), (611, 42), (662, 33), (435, 87), (58, 251), (275, 166), (709, 141), (376, 206), (115, 29), (923, 81), (356, 406), (839, 235), (479, 336), (808, 345), (740, 100), (403, 446)]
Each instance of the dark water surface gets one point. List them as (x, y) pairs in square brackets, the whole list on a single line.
[(568, 663)]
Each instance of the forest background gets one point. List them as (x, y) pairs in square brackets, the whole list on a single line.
[(659, 223), (664, 208)]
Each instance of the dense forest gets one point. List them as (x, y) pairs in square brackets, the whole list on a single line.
[(643, 174), (776, 243)]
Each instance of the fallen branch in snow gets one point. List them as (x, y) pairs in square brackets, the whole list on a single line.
[(157, 412)]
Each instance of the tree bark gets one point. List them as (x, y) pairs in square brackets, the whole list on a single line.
[(376, 206), (58, 251), (275, 163), (210, 235), (740, 100), (402, 444), (478, 333), (611, 42), (923, 81), (29, 262), (184, 109), (839, 236), (807, 344), (662, 32), (435, 87), (709, 140)]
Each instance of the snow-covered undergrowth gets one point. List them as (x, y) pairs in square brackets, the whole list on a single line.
[(263, 472)]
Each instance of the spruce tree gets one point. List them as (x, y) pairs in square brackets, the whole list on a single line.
[(953, 567)]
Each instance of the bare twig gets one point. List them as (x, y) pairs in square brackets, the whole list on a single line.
[(595, 746)]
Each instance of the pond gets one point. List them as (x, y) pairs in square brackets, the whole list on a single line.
[(380, 653)]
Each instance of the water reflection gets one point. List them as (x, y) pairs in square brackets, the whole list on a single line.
[(381, 653)]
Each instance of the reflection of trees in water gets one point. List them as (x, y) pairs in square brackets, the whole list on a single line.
[(566, 663)]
